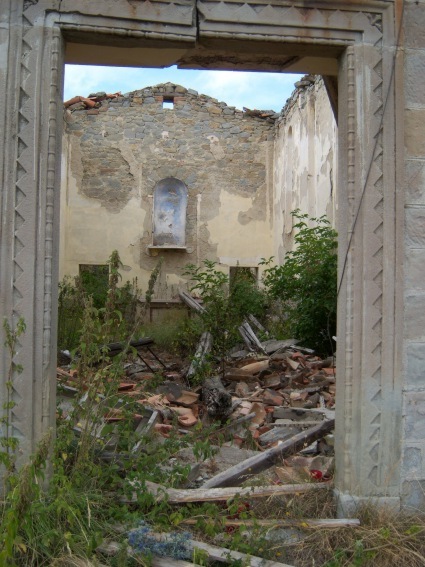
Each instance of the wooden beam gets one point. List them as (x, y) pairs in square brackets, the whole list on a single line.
[(191, 302), (180, 496), (169, 562), (202, 351), (226, 556), (236, 475), (301, 523)]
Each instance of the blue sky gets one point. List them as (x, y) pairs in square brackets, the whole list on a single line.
[(264, 91)]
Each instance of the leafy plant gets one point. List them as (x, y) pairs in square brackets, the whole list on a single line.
[(8, 442), (245, 295), (117, 304), (226, 303), (307, 282)]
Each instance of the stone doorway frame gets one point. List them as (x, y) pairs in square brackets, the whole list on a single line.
[(37, 36)]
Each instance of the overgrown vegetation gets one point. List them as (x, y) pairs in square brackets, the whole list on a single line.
[(83, 500), (226, 302), (83, 505), (75, 292), (306, 283)]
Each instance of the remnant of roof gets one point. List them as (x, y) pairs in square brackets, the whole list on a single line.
[(179, 95)]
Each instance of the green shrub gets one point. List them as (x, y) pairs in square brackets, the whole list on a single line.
[(245, 295), (226, 303), (113, 303), (307, 283)]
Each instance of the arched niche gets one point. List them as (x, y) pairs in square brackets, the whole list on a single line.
[(169, 214)]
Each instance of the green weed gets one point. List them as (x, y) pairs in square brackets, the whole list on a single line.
[(306, 283)]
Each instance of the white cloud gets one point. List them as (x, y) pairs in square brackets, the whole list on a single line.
[(236, 88)]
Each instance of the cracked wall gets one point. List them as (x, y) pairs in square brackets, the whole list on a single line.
[(305, 161), (235, 165), (116, 154)]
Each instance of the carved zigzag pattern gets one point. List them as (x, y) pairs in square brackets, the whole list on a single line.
[(285, 13), (23, 167), (267, 13), (375, 249)]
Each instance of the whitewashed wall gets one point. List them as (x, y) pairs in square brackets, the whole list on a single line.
[(305, 161)]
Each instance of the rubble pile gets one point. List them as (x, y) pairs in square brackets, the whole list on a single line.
[(270, 407), (259, 401)]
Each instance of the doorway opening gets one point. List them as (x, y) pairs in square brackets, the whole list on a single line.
[(211, 185)]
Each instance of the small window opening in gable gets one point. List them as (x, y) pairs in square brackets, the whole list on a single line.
[(168, 102)]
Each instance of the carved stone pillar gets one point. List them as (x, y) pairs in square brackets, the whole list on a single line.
[(31, 82), (369, 389)]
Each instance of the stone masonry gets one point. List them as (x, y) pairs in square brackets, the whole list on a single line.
[(233, 162), (115, 155)]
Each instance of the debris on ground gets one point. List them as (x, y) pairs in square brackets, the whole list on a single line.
[(280, 395), (271, 402)]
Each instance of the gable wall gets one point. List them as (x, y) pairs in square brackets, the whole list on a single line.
[(235, 166), (114, 156)]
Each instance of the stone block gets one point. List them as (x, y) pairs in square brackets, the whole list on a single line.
[(412, 462), (414, 90), (415, 227), (413, 494), (415, 132), (414, 272), (414, 421), (348, 504), (214, 110), (414, 317), (128, 133), (415, 181), (414, 22), (415, 372)]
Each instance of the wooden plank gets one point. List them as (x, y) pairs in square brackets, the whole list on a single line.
[(143, 429), (191, 302), (281, 433), (298, 414), (226, 556), (250, 338), (254, 321), (180, 496), (236, 475), (286, 523), (203, 349), (169, 562)]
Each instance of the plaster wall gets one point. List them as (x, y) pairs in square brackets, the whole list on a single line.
[(244, 175), (305, 161), (114, 156)]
